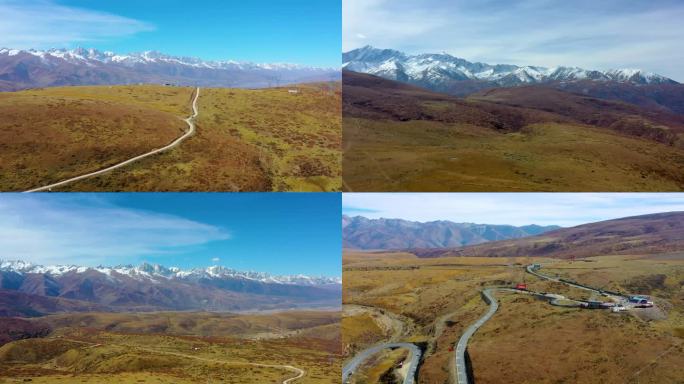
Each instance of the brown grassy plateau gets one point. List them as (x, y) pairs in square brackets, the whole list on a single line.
[(401, 138), (246, 140), (48, 135), (173, 347), (439, 298)]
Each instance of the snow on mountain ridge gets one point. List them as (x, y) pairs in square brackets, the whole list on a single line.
[(155, 271), (93, 56), (435, 69)]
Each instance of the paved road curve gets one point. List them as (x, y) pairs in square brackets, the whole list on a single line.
[(191, 129), (460, 363), (354, 363)]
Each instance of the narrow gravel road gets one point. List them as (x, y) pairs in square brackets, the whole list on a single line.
[(191, 129)]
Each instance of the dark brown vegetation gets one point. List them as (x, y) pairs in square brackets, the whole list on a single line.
[(16, 329)]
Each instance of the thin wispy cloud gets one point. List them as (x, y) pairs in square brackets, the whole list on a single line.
[(47, 24), (90, 231), (594, 35), (565, 209)]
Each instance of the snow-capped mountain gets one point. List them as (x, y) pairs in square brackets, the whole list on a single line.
[(28, 289), (154, 271), (91, 56), (442, 71), (56, 67)]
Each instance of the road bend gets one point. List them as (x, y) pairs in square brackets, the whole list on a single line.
[(352, 366), (460, 369), (191, 129)]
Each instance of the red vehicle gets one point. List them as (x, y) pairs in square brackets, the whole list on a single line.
[(521, 286)]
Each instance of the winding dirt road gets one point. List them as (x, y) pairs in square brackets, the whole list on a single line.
[(191, 129)]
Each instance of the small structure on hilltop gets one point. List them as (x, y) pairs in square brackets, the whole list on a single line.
[(293, 91)]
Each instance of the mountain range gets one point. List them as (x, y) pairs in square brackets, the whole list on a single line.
[(21, 69), (438, 71), (359, 232), (31, 290), (645, 234), (455, 76)]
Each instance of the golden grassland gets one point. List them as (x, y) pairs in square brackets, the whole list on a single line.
[(382, 155), (529, 341), (48, 135), (246, 140), (199, 348)]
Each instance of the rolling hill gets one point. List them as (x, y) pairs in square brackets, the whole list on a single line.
[(646, 234), (361, 233), (399, 137)]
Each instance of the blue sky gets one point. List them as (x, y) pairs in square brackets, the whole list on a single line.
[(585, 33), (294, 31), (564, 209), (280, 233)]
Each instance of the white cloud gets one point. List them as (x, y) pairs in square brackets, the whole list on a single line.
[(584, 33), (46, 24), (89, 231), (215, 259), (565, 209)]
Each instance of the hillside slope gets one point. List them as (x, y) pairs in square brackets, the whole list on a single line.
[(646, 234), (398, 137)]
